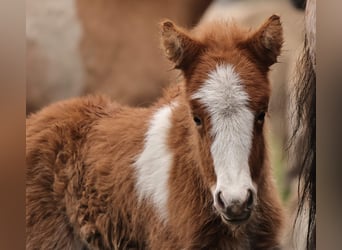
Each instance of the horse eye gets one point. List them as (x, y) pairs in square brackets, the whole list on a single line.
[(261, 117), (197, 120)]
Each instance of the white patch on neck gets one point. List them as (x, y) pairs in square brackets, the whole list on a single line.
[(154, 163), (232, 123)]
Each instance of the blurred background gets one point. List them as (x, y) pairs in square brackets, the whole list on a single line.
[(80, 47)]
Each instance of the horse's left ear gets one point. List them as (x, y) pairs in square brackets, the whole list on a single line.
[(179, 47), (265, 44)]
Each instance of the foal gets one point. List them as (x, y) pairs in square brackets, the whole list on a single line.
[(190, 172)]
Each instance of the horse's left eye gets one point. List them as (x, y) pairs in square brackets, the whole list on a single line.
[(261, 117), (197, 120)]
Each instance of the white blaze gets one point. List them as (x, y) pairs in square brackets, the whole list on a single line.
[(232, 123), (154, 163)]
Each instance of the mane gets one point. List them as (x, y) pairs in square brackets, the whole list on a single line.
[(303, 139), (220, 33), (306, 119)]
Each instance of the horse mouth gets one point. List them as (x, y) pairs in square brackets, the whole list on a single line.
[(235, 221)]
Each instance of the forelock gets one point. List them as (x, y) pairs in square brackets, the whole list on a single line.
[(222, 93)]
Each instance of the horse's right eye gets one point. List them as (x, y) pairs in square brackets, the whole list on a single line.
[(197, 121)]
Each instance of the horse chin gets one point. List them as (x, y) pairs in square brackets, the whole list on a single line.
[(234, 223)]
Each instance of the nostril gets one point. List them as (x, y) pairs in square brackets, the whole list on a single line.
[(250, 199), (220, 200)]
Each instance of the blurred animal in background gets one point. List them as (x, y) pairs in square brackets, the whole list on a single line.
[(189, 172), (300, 4), (77, 47), (302, 151)]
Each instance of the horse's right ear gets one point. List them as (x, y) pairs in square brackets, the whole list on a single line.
[(178, 46)]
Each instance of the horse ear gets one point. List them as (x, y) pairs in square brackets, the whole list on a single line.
[(265, 44), (179, 47)]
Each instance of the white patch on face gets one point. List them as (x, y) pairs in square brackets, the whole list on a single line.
[(154, 163), (232, 130)]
